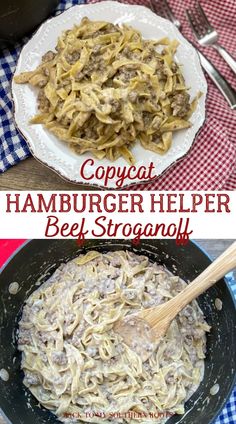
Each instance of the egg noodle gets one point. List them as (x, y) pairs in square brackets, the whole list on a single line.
[(106, 87), (73, 361)]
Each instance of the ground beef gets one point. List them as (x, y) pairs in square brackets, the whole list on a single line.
[(174, 67), (69, 319), (115, 261), (49, 336), (130, 294), (133, 95), (188, 314), (43, 82), (189, 330), (115, 105), (147, 118), (48, 56), (79, 76), (148, 303), (31, 379), (43, 102), (73, 57), (59, 358), (170, 378), (43, 356), (180, 104), (126, 74), (76, 338), (160, 70), (107, 286), (24, 337), (96, 49)]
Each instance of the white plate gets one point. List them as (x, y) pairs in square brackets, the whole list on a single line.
[(55, 153)]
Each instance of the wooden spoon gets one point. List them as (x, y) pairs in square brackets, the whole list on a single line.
[(142, 331)]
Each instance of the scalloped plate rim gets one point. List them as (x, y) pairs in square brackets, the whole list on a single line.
[(63, 171)]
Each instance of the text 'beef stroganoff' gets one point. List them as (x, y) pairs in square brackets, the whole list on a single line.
[(106, 87), (74, 362)]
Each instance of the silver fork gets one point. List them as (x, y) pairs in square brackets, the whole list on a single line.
[(162, 8), (206, 34)]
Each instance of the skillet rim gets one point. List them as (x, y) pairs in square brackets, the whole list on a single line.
[(226, 280)]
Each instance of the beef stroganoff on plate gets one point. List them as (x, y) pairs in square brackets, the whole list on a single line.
[(73, 361), (105, 88)]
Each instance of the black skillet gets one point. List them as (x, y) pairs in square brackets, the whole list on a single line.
[(36, 261), (20, 17)]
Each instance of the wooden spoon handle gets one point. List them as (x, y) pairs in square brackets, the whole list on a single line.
[(223, 264)]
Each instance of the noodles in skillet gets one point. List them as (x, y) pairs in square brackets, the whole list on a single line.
[(77, 366), (106, 87)]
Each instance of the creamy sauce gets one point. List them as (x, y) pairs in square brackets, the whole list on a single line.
[(215, 389), (13, 288), (218, 304), (4, 375), (80, 365)]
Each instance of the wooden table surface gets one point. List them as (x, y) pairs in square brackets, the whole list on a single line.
[(213, 247), (30, 174)]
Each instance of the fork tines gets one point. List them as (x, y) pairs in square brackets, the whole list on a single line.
[(198, 20), (162, 8)]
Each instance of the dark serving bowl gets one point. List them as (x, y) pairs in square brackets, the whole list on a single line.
[(20, 17), (37, 260)]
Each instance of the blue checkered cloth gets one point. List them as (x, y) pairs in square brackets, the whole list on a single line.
[(13, 147), (228, 414)]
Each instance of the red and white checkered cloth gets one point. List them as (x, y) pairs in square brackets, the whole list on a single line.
[(211, 163)]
